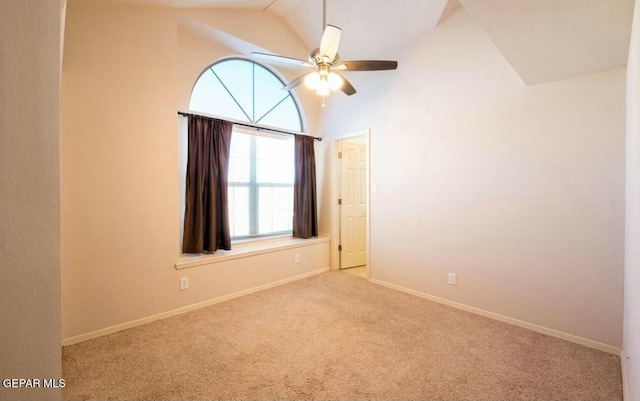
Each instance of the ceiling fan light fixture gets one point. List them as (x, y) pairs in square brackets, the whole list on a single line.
[(324, 59), (323, 88), (335, 81), (312, 79)]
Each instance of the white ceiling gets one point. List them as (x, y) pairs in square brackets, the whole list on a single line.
[(369, 27), (543, 40), (548, 40)]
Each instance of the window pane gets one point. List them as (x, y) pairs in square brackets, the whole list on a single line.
[(240, 158), (210, 97), (284, 116), (237, 76), (275, 209), (283, 209), (275, 160), (268, 91), (239, 211), (245, 91), (265, 210)]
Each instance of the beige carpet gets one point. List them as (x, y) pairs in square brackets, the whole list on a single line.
[(335, 337)]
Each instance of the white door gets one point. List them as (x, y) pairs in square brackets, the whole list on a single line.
[(353, 212)]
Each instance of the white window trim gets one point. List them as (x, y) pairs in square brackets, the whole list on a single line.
[(245, 249)]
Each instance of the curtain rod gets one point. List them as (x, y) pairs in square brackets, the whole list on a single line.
[(244, 124)]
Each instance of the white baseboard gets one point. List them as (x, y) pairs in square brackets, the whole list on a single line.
[(149, 319), (531, 326), (623, 362)]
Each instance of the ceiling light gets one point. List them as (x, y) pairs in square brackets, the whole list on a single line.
[(323, 83), (311, 81), (323, 87), (335, 81)]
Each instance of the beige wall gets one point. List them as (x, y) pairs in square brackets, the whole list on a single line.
[(631, 349), (519, 190), (30, 195), (127, 71)]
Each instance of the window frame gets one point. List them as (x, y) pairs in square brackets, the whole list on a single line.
[(254, 188), (278, 76)]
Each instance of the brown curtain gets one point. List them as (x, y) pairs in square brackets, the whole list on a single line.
[(305, 222), (206, 221)]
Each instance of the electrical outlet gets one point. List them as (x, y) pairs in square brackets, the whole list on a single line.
[(296, 259), (452, 279), (184, 283)]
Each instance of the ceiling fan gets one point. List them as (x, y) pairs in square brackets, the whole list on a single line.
[(325, 61)]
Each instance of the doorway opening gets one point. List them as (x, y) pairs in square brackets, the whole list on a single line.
[(350, 251)]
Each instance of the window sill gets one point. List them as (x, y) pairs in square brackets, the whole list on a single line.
[(247, 249)]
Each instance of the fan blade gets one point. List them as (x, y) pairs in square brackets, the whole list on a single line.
[(367, 65), (330, 42), (346, 87), (295, 82), (273, 58)]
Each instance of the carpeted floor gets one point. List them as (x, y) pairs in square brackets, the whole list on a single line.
[(335, 337)]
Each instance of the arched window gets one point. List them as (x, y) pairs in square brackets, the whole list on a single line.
[(261, 165), (243, 90)]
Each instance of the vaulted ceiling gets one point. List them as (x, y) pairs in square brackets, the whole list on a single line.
[(543, 40), (548, 40)]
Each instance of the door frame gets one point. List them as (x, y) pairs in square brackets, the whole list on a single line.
[(335, 215)]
